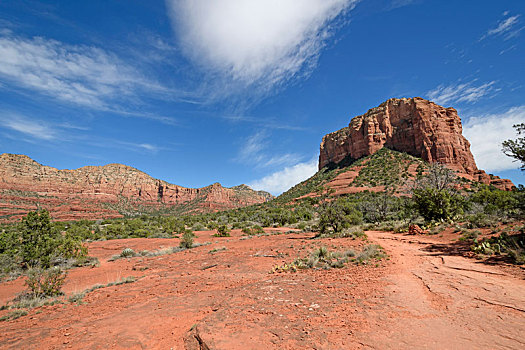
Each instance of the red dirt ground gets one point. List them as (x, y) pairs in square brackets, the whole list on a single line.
[(426, 296)]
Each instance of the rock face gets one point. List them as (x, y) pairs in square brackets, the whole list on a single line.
[(412, 125), (108, 191)]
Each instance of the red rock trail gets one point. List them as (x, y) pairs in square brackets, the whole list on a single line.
[(437, 301), (228, 300)]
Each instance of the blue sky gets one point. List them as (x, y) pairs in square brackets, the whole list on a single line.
[(242, 91)]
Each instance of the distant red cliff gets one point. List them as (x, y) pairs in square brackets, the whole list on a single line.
[(109, 191)]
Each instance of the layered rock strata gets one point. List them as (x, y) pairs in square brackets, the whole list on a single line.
[(95, 191), (412, 125)]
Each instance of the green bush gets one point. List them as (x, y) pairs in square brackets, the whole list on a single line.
[(223, 231), (186, 241), (338, 215), (437, 205), (38, 242), (45, 283), (127, 253)]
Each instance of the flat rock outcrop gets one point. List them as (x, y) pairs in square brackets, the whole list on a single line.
[(411, 125), (94, 192)]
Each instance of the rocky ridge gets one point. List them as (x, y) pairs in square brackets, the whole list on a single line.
[(412, 125), (108, 191)]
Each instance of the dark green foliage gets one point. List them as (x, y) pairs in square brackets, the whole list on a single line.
[(36, 242), (498, 202), (223, 231), (516, 148), (337, 215), (437, 205), (254, 230), (381, 207), (38, 239)]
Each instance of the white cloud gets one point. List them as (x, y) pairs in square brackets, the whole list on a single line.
[(255, 43), (253, 152), (486, 133), (37, 130), (286, 178), (34, 128), (506, 27), (82, 75), (148, 147), (401, 3), (462, 92)]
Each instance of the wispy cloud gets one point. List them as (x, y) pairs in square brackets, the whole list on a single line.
[(257, 44), (81, 75), (401, 3), (486, 133), (35, 131), (267, 123), (282, 180), (507, 28), (462, 92), (253, 151), (29, 127), (131, 146)]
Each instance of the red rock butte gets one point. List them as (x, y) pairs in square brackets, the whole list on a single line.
[(95, 192), (413, 125)]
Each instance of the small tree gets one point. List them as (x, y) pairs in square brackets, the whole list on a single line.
[(516, 148), (38, 239), (337, 215), (434, 195), (435, 205)]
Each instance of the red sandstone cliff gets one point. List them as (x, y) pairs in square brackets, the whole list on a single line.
[(412, 125), (98, 192)]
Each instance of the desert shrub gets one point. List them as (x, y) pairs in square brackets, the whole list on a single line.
[(254, 230), (479, 220), (337, 215), (437, 229), (322, 258), (199, 227), (223, 231), (470, 235), (44, 283), (219, 249), (437, 205), (127, 253), (511, 245), (186, 240), (13, 315), (369, 252)]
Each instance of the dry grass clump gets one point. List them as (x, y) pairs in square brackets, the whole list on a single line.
[(322, 258)]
